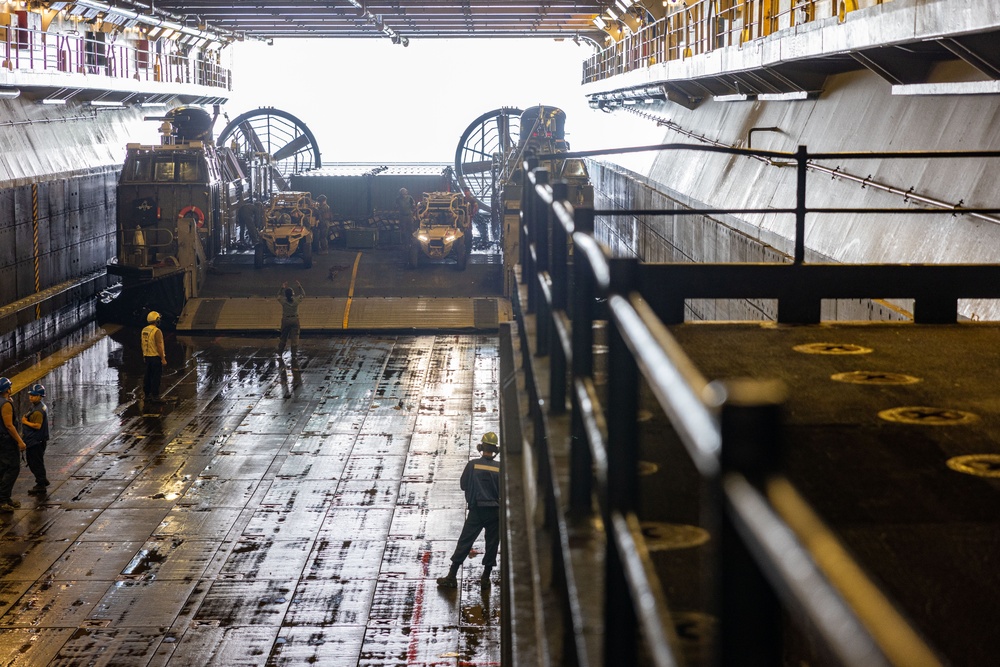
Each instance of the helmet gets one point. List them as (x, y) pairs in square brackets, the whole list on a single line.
[(37, 390), (153, 317), (404, 191), (321, 198), (490, 441), (285, 219), (5, 384)]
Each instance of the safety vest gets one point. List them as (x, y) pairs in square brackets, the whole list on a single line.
[(481, 482), (5, 436), (149, 346), (36, 436)]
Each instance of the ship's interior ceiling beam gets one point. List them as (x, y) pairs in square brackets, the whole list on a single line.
[(726, 85), (897, 65), (756, 82), (656, 8), (793, 78), (980, 51), (129, 14), (688, 94), (268, 19)]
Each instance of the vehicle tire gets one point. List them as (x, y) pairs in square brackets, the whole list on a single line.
[(460, 254), (414, 255), (307, 254), (258, 256)]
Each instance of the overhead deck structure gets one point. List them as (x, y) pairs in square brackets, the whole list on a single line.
[(787, 53), (398, 19)]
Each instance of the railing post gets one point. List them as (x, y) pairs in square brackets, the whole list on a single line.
[(527, 167), (623, 399), (750, 617), (540, 217), (620, 646), (801, 169), (559, 251), (559, 273), (584, 293), (526, 232)]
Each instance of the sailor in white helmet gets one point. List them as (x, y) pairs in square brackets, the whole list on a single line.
[(155, 356)]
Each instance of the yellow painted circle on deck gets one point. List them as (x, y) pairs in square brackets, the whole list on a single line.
[(832, 348), (928, 416), (696, 630), (874, 378), (648, 468), (669, 536), (980, 465)]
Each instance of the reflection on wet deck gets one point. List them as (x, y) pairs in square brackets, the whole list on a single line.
[(276, 513)]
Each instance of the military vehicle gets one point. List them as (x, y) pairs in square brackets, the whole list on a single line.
[(443, 230), (288, 228), (177, 204), (186, 202)]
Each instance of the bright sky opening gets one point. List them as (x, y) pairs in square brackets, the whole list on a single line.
[(374, 101)]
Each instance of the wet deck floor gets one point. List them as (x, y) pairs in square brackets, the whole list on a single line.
[(277, 514)]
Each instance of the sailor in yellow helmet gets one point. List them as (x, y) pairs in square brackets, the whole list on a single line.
[(155, 356), (481, 483)]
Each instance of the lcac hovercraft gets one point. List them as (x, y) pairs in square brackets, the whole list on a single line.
[(185, 201)]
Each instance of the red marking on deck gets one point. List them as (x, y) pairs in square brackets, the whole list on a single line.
[(418, 607)]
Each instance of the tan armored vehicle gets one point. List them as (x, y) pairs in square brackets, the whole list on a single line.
[(443, 230), (288, 224)]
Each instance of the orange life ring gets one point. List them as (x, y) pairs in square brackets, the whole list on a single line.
[(197, 213)]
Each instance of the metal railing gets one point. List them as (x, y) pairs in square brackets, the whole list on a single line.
[(142, 248), (29, 50), (730, 430), (798, 286), (696, 28)]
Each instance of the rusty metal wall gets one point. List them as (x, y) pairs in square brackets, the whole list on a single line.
[(76, 239), (76, 231), (72, 154)]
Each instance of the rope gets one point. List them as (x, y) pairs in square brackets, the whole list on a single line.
[(34, 237)]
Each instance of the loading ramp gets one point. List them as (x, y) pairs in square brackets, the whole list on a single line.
[(351, 290)]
